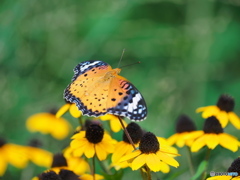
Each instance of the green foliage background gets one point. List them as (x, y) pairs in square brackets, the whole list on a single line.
[(189, 52)]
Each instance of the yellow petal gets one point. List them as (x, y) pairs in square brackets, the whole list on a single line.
[(3, 164), (79, 135), (172, 139), (89, 150), (63, 110), (220, 178), (164, 167), (78, 165), (108, 117), (198, 144), (39, 156), (212, 140), (16, 155), (201, 109), (90, 177), (229, 142), (74, 111), (234, 119), (130, 156), (222, 116), (138, 161), (167, 159), (61, 128), (121, 149), (75, 144), (153, 162), (115, 125), (101, 151), (210, 111)]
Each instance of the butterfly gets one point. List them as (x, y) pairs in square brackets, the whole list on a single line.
[(97, 89)]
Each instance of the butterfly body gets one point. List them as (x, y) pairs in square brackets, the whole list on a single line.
[(97, 89)]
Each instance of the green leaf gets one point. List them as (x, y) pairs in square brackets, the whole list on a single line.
[(201, 168)]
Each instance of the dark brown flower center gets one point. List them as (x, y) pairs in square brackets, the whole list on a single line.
[(135, 133), (212, 125), (2, 142), (235, 166), (51, 175), (226, 103), (94, 133), (185, 124), (59, 160), (149, 143), (67, 175)]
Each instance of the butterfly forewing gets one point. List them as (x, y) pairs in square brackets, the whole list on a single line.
[(97, 89)]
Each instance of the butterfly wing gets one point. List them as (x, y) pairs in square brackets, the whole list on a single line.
[(87, 89), (97, 90), (130, 102)]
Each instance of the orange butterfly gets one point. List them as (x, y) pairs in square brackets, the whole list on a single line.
[(97, 89)]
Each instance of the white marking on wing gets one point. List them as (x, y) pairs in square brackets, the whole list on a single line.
[(87, 66)]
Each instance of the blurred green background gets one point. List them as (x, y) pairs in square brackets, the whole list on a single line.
[(189, 53)]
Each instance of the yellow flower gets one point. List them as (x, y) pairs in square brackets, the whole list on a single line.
[(47, 123), (114, 122), (223, 111), (125, 147), (150, 154), (233, 172), (213, 135), (12, 154), (92, 141), (72, 108), (186, 133), (61, 170)]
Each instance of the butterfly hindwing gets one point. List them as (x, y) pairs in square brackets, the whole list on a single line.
[(130, 102)]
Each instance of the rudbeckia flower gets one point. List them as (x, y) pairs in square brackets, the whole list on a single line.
[(125, 147), (67, 175), (223, 111), (213, 135), (233, 172), (61, 171), (48, 123), (114, 122), (185, 132), (151, 155), (92, 141), (12, 154), (72, 108)]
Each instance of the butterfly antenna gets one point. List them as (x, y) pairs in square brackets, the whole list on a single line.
[(121, 57), (131, 64)]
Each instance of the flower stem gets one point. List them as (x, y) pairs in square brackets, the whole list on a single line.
[(93, 167), (149, 177), (206, 159), (127, 134), (190, 162), (80, 121)]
